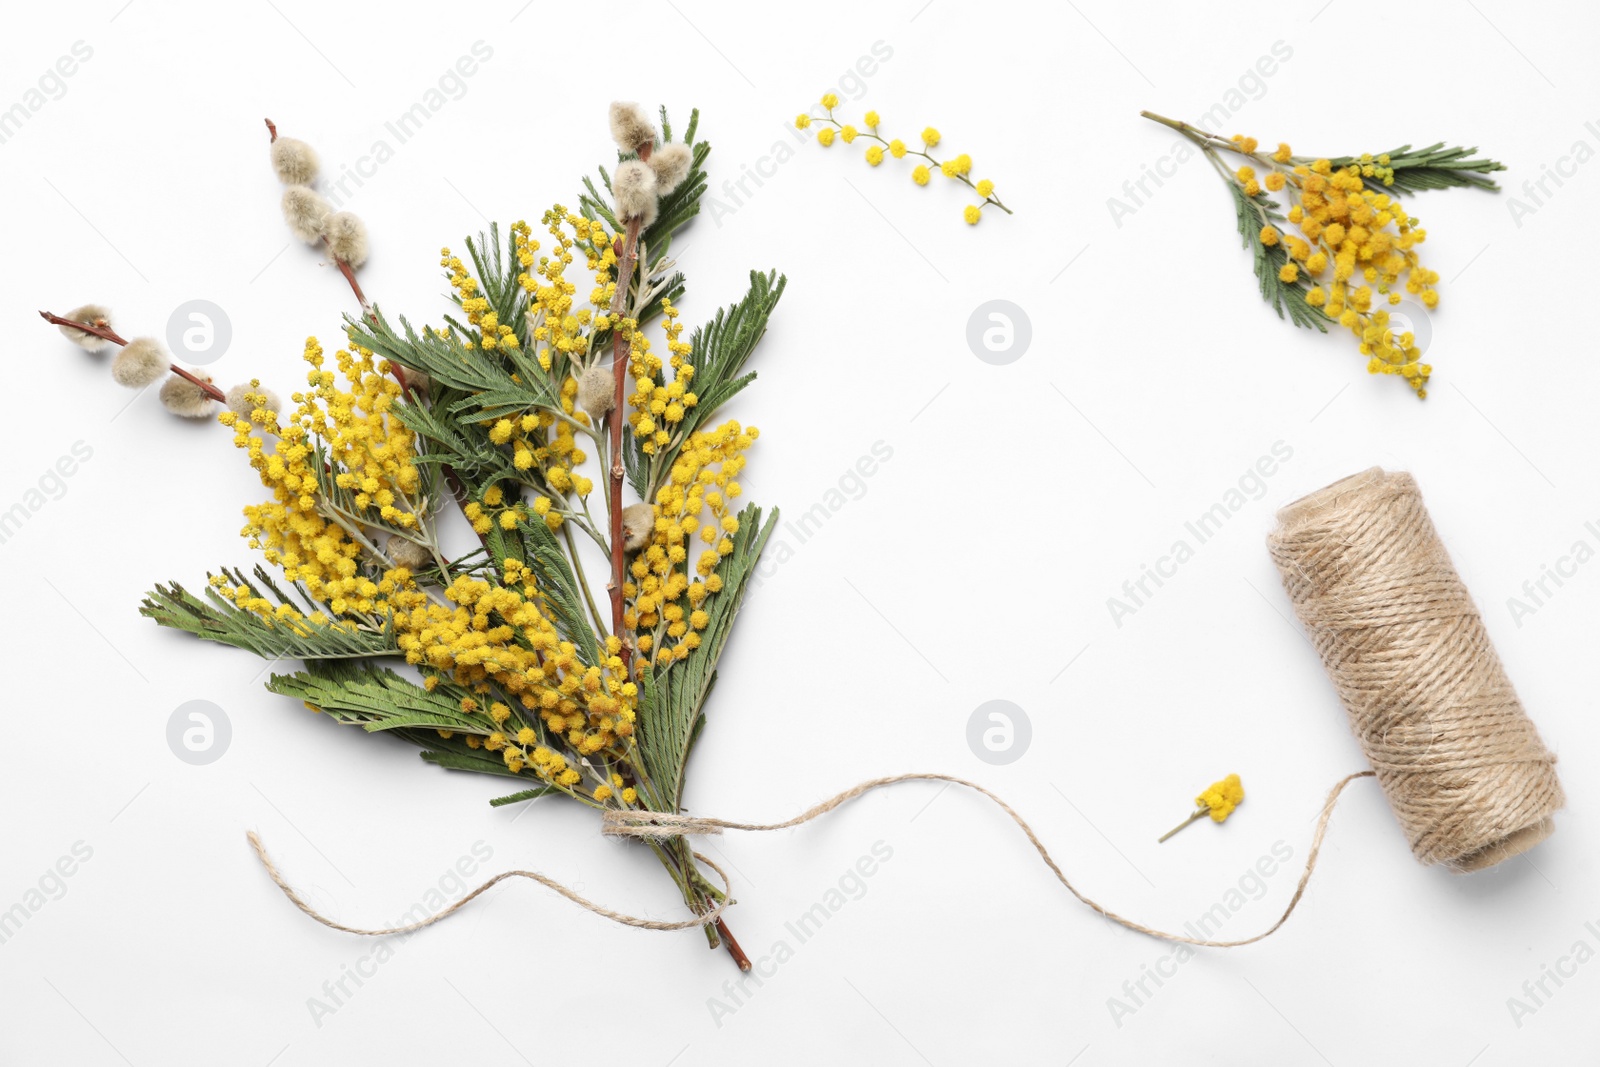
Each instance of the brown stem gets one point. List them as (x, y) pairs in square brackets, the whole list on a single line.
[(272, 129), (733, 946), (103, 332), (107, 333), (627, 249), (702, 899), (350, 276), (627, 253), (206, 387), (619, 367)]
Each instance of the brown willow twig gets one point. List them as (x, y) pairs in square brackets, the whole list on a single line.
[(108, 334), (105, 333), (734, 950), (350, 276), (626, 256), (344, 268), (627, 248)]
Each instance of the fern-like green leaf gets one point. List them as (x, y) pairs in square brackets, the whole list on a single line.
[(493, 392), (1254, 213), (1438, 166), (673, 699), (718, 351), (559, 587), (218, 619), (498, 273), (374, 698), (525, 794), (467, 759)]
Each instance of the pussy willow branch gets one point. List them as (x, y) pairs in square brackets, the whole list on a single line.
[(344, 268), (627, 248), (457, 489), (626, 256), (108, 334)]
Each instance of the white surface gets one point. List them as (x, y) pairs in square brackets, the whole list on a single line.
[(975, 566)]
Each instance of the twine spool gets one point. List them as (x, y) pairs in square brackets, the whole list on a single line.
[(1461, 763)]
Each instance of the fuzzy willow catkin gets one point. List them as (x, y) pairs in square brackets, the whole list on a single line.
[(1461, 763)]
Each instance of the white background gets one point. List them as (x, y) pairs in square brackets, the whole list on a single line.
[(976, 564)]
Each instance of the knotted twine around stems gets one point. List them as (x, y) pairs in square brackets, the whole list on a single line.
[(1460, 761)]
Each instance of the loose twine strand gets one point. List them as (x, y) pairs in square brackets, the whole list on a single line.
[(660, 824), (1461, 763), (648, 824), (549, 883)]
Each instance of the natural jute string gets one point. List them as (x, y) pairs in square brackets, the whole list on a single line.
[(550, 883), (656, 824), (1460, 761)]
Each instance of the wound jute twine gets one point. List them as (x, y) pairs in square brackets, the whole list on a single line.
[(1459, 760)]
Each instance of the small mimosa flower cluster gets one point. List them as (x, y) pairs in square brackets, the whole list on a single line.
[(957, 168)]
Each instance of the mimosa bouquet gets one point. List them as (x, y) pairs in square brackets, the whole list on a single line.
[(569, 439)]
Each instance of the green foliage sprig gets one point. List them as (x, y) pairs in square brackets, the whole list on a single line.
[(1355, 254)]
